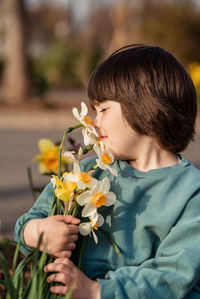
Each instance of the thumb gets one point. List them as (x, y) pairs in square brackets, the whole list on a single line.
[(69, 219)]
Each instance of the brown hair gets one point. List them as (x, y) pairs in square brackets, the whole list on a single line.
[(155, 91)]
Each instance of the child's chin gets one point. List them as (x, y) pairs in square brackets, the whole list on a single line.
[(115, 155)]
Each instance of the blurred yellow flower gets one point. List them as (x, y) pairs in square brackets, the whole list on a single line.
[(49, 157), (194, 70)]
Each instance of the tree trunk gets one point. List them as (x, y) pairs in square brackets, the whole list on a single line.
[(15, 76), (120, 16), (125, 16)]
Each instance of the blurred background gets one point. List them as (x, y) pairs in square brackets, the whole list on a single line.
[(47, 52)]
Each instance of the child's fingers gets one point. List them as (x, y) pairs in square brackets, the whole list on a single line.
[(69, 219), (73, 229), (65, 261), (70, 246), (58, 267), (60, 277), (64, 254), (73, 237), (59, 290)]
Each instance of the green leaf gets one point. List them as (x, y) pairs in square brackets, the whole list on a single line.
[(8, 279), (70, 292), (16, 254)]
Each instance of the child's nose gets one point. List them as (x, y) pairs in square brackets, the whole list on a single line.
[(96, 122)]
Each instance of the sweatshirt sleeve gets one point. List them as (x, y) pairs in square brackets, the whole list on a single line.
[(38, 211), (171, 273)]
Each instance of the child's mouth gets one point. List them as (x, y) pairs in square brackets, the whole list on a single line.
[(102, 137)]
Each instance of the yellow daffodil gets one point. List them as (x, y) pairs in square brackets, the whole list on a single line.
[(48, 159), (82, 179), (63, 190), (97, 197), (194, 70), (86, 228), (105, 158), (88, 131)]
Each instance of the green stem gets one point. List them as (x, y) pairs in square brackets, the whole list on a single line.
[(67, 209), (75, 209), (70, 129), (114, 245), (87, 149), (30, 180), (80, 260)]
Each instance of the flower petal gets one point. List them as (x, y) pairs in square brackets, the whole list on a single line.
[(101, 164), (111, 199), (97, 150), (85, 228), (100, 220), (80, 154), (84, 110), (95, 237), (92, 183), (43, 168), (93, 217), (53, 181), (81, 185), (84, 198), (112, 170), (69, 177), (88, 210), (86, 139), (105, 185), (45, 144), (69, 155), (76, 168)]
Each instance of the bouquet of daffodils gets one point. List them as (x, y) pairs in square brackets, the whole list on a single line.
[(79, 190)]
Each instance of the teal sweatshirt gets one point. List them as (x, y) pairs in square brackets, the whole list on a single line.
[(156, 224)]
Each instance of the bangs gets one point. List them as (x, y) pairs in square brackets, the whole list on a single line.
[(102, 85), (115, 76)]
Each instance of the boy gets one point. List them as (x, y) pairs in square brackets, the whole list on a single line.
[(146, 109)]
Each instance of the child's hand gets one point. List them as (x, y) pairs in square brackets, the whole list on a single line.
[(71, 276), (59, 233)]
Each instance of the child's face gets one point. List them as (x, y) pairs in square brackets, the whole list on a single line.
[(115, 132)]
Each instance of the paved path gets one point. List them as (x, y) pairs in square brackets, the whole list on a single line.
[(19, 134)]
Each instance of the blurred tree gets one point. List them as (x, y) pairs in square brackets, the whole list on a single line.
[(174, 25), (64, 47), (15, 76), (122, 24)]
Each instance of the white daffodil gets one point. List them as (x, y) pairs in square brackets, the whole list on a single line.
[(86, 228), (97, 197), (82, 117), (88, 131), (70, 155), (104, 159), (83, 179)]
